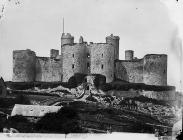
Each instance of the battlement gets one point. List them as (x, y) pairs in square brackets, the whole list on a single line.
[(30, 52), (133, 60), (154, 56), (113, 37), (67, 35), (98, 43), (67, 39)]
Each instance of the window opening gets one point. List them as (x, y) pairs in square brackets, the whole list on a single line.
[(88, 65), (88, 55)]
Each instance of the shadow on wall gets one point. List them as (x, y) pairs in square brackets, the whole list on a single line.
[(121, 73), (79, 78)]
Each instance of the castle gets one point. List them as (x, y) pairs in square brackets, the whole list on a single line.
[(89, 58)]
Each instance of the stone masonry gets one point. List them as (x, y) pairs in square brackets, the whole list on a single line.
[(92, 58)]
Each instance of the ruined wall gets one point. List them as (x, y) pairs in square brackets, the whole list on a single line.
[(155, 69), (48, 69), (151, 70), (54, 53), (102, 60), (73, 60), (131, 71), (24, 66), (123, 94), (129, 55), (160, 95)]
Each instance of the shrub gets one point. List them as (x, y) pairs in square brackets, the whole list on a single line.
[(64, 121)]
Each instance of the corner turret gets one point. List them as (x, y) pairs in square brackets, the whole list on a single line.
[(67, 39), (54, 53), (129, 55)]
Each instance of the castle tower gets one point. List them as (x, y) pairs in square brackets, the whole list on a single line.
[(74, 60), (114, 40), (24, 62), (102, 60), (155, 69), (67, 39), (129, 55)]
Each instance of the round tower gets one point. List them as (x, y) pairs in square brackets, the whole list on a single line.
[(74, 60), (155, 69), (129, 55), (114, 40), (24, 62), (67, 39), (102, 60)]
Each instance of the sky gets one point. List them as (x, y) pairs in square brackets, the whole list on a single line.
[(145, 26)]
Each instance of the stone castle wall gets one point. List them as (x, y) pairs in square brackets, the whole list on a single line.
[(93, 58), (48, 69), (151, 70), (131, 71), (102, 60), (155, 69), (27, 67), (24, 66)]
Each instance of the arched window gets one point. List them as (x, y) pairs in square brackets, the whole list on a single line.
[(102, 66), (88, 65)]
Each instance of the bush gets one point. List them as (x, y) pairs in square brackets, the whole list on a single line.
[(21, 99), (64, 121), (20, 123)]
